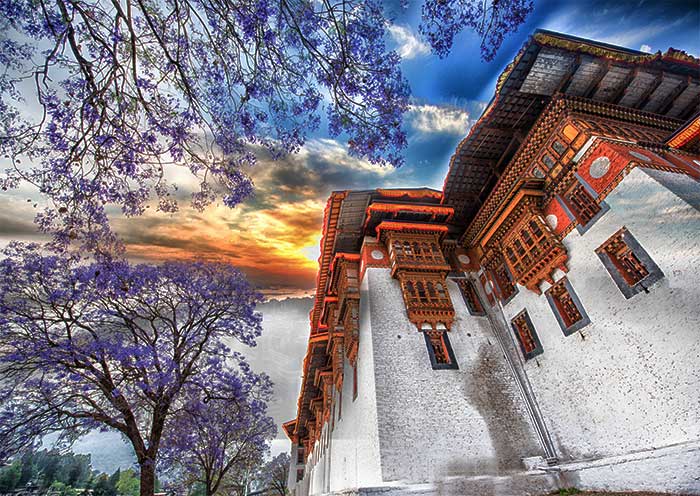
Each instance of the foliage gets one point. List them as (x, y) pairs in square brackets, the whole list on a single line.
[(568, 491), (490, 19), (64, 474), (128, 483), (124, 92), (274, 474), (221, 439), (10, 477), (62, 489), (114, 345)]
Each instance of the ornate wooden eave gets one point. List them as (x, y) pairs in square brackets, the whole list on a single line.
[(687, 137), (658, 85)]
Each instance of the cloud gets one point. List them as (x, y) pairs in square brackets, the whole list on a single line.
[(274, 236), (438, 119), (645, 48), (408, 44)]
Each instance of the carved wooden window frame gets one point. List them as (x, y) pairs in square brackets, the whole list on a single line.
[(567, 307), (504, 282), (527, 247), (440, 337), (581, 204), (470, 296), (628, 287), (526, 335)]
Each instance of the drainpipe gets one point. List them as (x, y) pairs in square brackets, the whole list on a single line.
[(522, 383)]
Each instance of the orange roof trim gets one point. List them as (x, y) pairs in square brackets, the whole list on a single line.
[(685, 134)]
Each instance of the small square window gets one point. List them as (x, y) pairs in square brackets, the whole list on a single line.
[(567, 307), (440, 349), (527, 336), (548, 161), (583, 206), (505, 286), (628, 263), (559, 147)]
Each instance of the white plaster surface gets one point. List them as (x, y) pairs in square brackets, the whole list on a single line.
[(350, 457), (434, 424), (620, 399), (630, 380)]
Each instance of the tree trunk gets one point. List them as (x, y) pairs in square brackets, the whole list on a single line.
[(148, 478)]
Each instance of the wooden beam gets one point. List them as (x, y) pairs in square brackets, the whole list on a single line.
[(566, 79), (595, 82), (692, 109), (646, 95), (623, 86), (668, 100)]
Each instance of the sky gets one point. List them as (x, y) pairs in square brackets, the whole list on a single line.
[(274, 236)]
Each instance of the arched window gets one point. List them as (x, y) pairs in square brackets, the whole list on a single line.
[(421, 290), (441, 291), (416, 249)]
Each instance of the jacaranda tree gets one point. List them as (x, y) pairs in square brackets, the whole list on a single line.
[(221, 436), (100, 98), (110, 345)]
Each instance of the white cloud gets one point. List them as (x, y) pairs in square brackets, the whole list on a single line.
[(436, 119), (409, 46), (334, 152), (616, 33), (645, 48)]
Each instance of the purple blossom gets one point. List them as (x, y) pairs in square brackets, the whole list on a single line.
[(123, 346)]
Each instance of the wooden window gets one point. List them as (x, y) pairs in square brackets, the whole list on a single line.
[(439, 349), (526, 248), (505, 285), (570, 133), (565, 304), (628, 263), (438, 345), (567, 307), (300, 454), (470, 296), (582, 204), (559, 147), (548, 161), (526, 335), (300, 474)]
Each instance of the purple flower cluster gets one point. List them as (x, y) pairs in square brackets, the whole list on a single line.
[(109, 344), (129, 91), (491, 20)]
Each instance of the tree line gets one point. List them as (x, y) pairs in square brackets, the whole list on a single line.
[(65, 474)]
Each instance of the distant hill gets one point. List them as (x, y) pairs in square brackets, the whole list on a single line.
[(280, 353)]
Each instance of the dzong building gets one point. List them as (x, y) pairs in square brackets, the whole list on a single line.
[(535, 325)]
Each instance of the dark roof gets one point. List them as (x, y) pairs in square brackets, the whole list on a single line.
[(552, 63)]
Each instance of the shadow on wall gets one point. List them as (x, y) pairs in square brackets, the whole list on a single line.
[(490, 388)]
